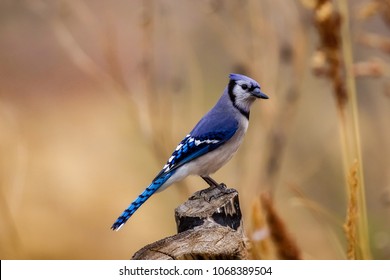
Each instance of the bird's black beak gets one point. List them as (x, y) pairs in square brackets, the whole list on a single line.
[(257, 93)]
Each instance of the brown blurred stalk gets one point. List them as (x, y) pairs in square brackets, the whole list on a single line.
[(270, 238), (350, 126), (352, 211), (334, 61), (261, 244)]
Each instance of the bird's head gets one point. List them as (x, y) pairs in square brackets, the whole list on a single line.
[(243, 91)]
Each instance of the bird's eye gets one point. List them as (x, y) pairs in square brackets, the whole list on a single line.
[(244, 87)]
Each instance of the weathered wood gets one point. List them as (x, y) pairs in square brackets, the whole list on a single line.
[(209, 226)]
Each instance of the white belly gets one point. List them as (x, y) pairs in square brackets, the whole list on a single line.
[(212, 161)]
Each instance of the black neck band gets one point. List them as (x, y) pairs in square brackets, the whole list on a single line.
[(233, 99)]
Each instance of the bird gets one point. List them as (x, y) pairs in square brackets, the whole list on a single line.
[(211, 143)]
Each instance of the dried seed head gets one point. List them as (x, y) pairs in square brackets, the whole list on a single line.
[(318, 63), (324, 12)]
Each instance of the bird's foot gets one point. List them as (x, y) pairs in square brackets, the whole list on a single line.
[(214, 190), (213, 184)]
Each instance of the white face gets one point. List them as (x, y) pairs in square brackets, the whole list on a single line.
[(242, 92)]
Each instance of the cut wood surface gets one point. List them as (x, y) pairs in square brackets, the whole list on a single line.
[(209, 226)]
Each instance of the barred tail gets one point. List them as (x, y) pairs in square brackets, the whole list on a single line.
[(148, 192)]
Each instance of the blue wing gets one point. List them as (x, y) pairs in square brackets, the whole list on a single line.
[(210, 133), (204, 138)]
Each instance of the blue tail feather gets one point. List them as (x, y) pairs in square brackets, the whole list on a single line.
[(148, 192)]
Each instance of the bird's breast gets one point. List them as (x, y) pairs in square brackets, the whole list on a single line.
[(214, 160)]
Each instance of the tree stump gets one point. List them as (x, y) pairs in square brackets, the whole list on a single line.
[(209, 226)]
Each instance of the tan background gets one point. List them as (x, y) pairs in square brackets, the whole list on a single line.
[(95, 95)]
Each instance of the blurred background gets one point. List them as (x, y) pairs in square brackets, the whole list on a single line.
[(95, 95)]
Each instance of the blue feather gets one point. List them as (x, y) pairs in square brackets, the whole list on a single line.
[(193, 147), (188, 149), (129, 211)]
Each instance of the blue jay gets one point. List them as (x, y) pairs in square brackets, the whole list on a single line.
[(211, 143)]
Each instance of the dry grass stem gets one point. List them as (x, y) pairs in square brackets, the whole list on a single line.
[(320, 213), (328, 23), (351, 223), (352, 141), (332, 23), (284, 243), (261, 244), (316, 208)]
